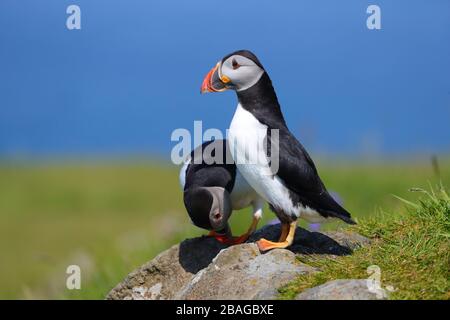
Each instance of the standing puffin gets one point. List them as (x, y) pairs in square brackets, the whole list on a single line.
[(213, 188), (293, 189)]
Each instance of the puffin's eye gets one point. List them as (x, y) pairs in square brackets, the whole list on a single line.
[(235, 64)]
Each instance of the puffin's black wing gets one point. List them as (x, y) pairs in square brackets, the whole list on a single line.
[(205, 171), (299, 174)]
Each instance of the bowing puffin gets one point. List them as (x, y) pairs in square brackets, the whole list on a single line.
[(213, 188), (292, 186)]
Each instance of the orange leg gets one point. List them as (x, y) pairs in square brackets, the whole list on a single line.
[(223, 238), (265, 245), (284, 232), (235, 240), (245, 236)]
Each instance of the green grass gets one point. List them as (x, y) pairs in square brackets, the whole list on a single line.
[(412, 250), (111, 218)]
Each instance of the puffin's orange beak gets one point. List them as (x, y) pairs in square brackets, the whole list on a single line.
[(213, 82)]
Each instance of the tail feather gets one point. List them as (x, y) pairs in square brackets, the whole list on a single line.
[(344, 215), (330, 208)]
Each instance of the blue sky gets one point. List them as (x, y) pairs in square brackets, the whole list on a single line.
[(132, 74)]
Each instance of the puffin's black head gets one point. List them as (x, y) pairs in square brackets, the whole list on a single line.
[(238, 71), (209, 208)]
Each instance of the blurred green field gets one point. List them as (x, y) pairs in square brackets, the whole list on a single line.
[(111, 218)]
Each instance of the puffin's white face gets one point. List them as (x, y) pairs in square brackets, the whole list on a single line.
[(242, 72), (236, 72)]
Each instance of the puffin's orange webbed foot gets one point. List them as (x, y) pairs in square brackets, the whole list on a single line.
[(225, 239), (265, 245), (222, 238), (229, 240)]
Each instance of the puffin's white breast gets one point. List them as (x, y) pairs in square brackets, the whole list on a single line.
[(246, 138)]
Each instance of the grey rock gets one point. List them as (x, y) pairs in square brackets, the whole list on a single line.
[(162, 277), (353, 289), (203, 268), (242, 272)]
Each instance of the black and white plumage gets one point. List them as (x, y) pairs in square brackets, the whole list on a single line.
[(213, 188), (295, 189)]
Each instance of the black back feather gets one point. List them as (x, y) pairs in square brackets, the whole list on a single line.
[(296, 168)]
